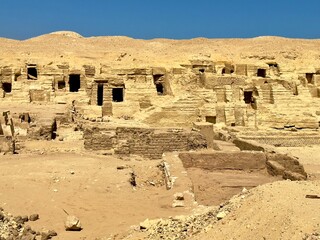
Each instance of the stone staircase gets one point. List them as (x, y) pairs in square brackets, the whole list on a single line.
[(289, 110), (182, 111)]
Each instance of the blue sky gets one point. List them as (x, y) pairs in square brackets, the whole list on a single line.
[(178, 19)]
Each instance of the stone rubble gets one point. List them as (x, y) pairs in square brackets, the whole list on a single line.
[(184, 227), (14, 228)]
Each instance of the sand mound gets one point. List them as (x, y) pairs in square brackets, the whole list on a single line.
[(278, 210), (67, 34)]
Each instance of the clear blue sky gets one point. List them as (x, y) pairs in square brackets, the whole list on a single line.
[(178, 19)]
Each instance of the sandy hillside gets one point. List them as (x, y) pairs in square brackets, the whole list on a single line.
[(124, 51), (275, 211)]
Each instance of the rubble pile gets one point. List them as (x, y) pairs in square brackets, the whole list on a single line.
[(184, 227), (14, 228)]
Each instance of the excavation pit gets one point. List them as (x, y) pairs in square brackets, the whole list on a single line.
[(217, 176)]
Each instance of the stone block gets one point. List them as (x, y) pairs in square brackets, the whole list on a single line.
[(206, 129)]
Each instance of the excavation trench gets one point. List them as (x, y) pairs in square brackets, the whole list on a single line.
[(217, 176)]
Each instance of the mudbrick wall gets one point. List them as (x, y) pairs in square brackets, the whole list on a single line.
[(148, 142)]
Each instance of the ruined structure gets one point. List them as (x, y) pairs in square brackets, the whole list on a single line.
[(128, 105), (214, 108)]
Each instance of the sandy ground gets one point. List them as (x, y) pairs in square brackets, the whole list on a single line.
[(52, 176), (99, 194), (215, 187), (274, 211)]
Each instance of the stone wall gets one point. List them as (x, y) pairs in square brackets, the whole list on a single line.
[(275, 163), (277, 100), (287, 141), (147, 142), (220, 160)]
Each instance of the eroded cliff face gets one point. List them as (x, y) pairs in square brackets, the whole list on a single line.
[(262, 82), (266, 81)]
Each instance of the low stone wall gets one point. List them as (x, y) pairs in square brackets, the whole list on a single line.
[(250, 145), (147, 142), (220, 160), (285, 165), (277, 164), (294, 141)]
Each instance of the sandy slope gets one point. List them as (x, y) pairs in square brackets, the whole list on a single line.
[(71, 47), (274, 211)]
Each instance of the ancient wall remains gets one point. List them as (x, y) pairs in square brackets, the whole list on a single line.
[(220, 160), (234, 94), (147, 142)]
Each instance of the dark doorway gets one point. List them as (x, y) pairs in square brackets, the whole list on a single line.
[(54, 130), (25, 117), (223, 71), (100, 95), (61, 84), (7, 87), (32, 73), (117, 94), (248, 97), (309, 77), (74, 82), (261, 72), (211, 119), (158, 80), (159, 87)]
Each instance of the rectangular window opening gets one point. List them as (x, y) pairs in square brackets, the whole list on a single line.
[(32, 73), (74, 82), (61, 85), (211, 119), (248, 98), (261, 72), (309, 77), (117, 94), (7, 87)]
